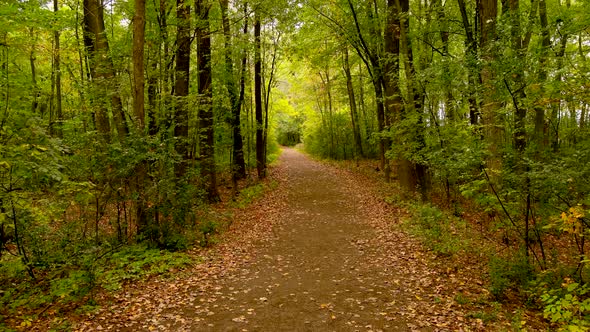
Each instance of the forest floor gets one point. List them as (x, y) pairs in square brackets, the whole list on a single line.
[(320, 252)]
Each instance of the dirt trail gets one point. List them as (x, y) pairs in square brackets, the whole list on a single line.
[(331, 262), (317, 275)]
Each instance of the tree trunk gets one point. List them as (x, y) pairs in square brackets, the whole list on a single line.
[(260, 162), (488, 12), (36, 91), (243, 72), (414, 106), (517, 90), (393, 94), (353, 111), (102, 71), (181, 85), (471, 55), (238, 167), (138, 111), (138, 78), (92, 14), (206, 119), (57, 67)]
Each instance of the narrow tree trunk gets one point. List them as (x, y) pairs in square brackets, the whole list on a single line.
[(243, 72), (352, 103), (471, 55), (32, 59), (260, 162), (138, 111), (238, 167), (517, 91), (57, 67), (540, 126), (138, 78), (206, 120), (328, 100), (488, 12)]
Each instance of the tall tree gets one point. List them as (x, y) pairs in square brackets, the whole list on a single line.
[(473, 79), (260, 162), (206, 120), (181, 84), (236, 99), (356, 131), (138, 69), (102, 71), (487, 16), (57, 127), (414, 105), (139, 108), (371, 56)]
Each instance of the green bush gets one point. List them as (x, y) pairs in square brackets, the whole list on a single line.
[(437, 230), (568, 306), (509, 273)]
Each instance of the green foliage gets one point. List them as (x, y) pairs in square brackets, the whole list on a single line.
[(509, 273), (136, 262), (438, 231), (329, 138), (78, 278), (248, 195), (568, 306), (289, 124)]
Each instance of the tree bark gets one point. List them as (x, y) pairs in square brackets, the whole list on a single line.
[(181, 84), (414, 106), (102, 71), (353, 109), (517, 90), (487, 17), (206, 119), (260, 162), (471, 55), (138, 77), (57, 128), (238, 167), (139, 111)]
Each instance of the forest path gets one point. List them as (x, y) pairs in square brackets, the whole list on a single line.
[(318, 253)]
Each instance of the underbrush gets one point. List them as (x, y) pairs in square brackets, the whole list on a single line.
[(477, 223), (512, 274), (74, 283)]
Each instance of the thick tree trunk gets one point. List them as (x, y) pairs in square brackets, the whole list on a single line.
[(92, 43), (206, 119), (414, 106), (238, 167), (102, 71), (393, 94), (181, 85)]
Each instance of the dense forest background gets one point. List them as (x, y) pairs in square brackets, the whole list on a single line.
[(120, 121)]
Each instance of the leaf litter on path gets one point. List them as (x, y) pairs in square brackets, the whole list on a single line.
[(321, 252)]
